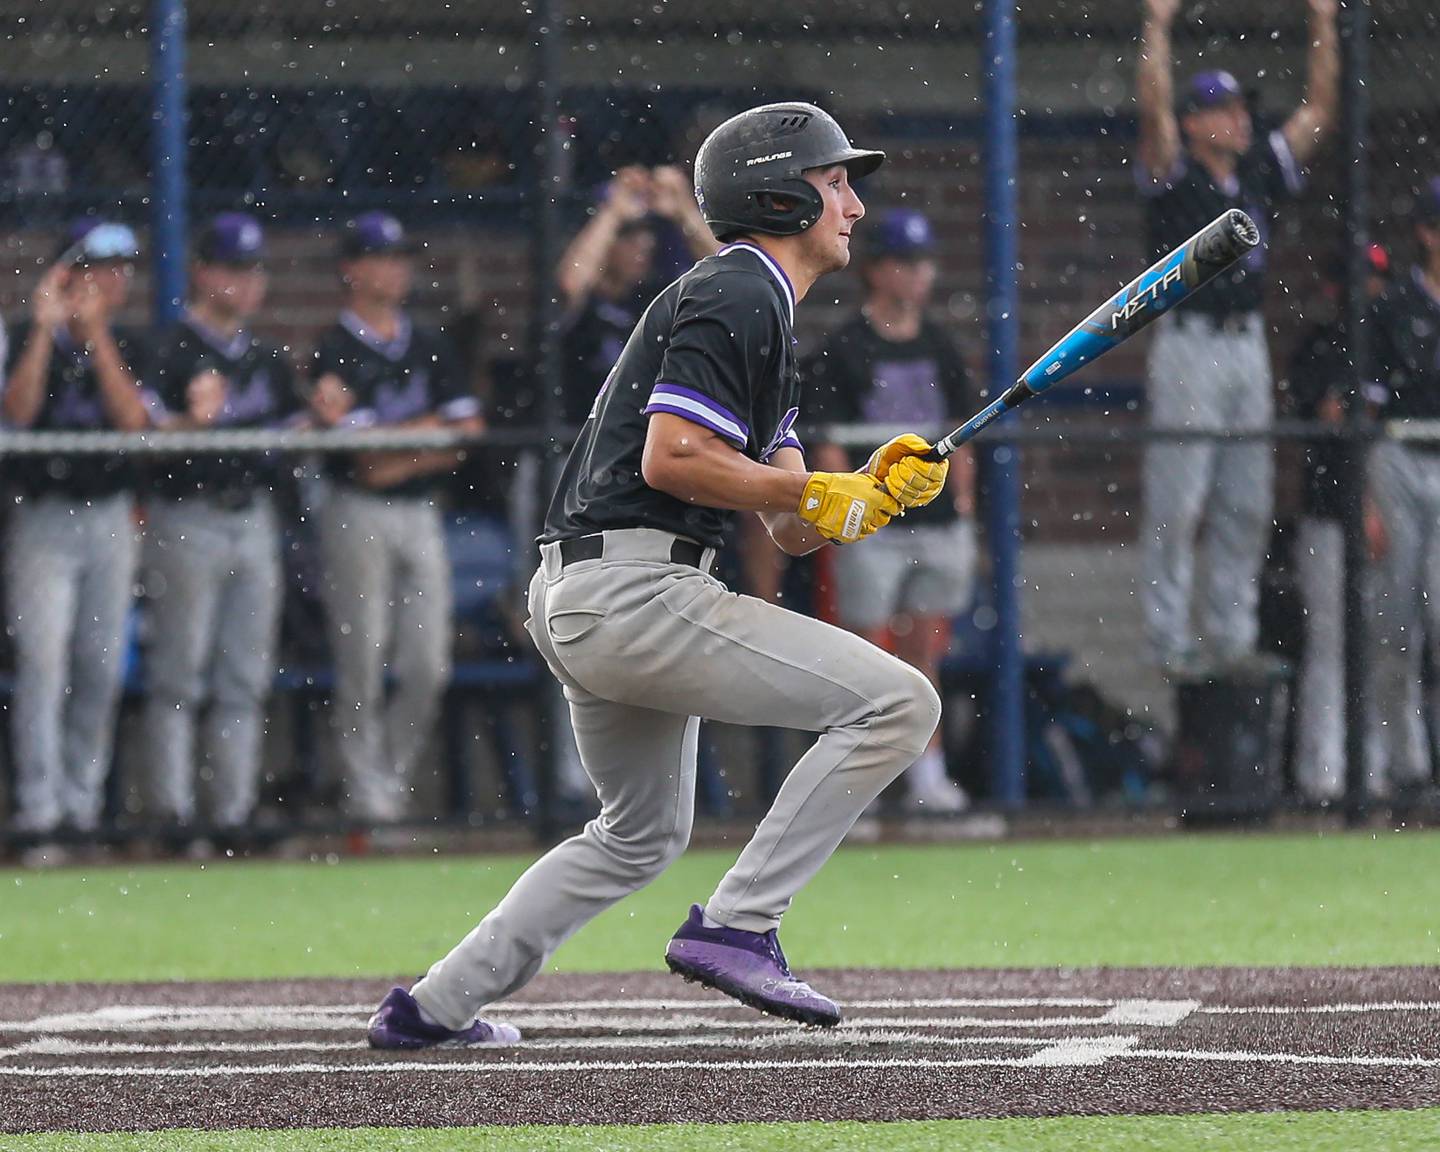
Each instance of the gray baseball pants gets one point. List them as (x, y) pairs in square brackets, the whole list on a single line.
[(213, 585), (69, 580), (644, 648), (1208, 379), (389, 597), (1405, 484), (1320, 695)]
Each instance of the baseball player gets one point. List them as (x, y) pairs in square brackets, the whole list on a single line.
[(72, 547), (1405, 487), (386, 568), (890, 363), (694, 423), (212, 553), (1209, 366), (1319, 378)]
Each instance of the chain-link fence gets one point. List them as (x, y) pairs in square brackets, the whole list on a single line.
[(306, 115)]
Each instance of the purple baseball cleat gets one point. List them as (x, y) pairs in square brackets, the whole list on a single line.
[(397, 1023), (748, 966)]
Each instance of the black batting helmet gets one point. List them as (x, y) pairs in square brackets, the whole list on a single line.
[(752, 157)]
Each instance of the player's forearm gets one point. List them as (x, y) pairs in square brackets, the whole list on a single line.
[(1315, 116), (583, 260), (699, 468), (792, 535), (119, 393), (1155, 93), (24, 392)]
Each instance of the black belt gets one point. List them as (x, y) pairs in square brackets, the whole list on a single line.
[(592, 547)]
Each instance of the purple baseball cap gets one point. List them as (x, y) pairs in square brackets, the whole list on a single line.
[(374, 234), (231, 238), (901, 234), (1211, 90), (92, 241)]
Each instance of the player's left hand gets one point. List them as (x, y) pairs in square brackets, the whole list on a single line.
[(913, 481)]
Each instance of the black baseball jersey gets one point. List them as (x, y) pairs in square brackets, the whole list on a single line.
[(414, 375), (1405, 340), (72, 404), (591, 342), (1319, 369), (716, 347), (860, 377), (260, 393), (1186, 199)]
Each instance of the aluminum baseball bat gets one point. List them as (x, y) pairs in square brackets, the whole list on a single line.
[(1170, 280)]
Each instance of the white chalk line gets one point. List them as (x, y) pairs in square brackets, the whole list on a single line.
[(1319, 1009), (1067, 1053), (291, 1022), (279, 1014), (794, 1038)]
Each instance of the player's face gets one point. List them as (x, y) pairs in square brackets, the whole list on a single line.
[(907, 281), (631, 257), (110, 280), (382, 276), (239, 290), (1227, 126), (828, 240)]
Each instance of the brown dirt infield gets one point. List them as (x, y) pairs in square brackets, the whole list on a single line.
[(644, 1047)]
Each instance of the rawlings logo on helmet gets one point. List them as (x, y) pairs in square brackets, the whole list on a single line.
[(766, 159)]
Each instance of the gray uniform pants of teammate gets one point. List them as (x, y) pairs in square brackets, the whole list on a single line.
[(1320, 696), (69, 577), (1405, 484), (214, 586), (644, 647), (1208, 379), (390, 606)]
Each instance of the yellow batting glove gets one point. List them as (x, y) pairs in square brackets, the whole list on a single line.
[(893, 451), (913, 482), (846, 506)]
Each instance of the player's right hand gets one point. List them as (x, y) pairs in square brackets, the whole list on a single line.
[(846, 506)]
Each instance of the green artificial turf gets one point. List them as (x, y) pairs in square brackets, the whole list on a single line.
[(1353, 899), (1275, 1132)]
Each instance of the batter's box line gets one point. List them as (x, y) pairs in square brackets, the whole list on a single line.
[(1064, 1054), (307, 1018), (839, 1038)]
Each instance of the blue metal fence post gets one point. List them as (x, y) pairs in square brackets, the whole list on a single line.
[(1000, 462), (167, 155)]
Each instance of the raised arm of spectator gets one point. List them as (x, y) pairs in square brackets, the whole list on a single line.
[(1159, 146), (1309, 122), (584, 260), (674, 198), (24, 392)]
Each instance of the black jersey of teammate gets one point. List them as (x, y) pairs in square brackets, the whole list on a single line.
[(1405, 343), (259, 393), (1320, 370), (1186, 199), (860, 377), (394, 381), (715, 347), (591, 342), (72, 403)]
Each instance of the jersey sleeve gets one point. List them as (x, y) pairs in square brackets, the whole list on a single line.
[(723, 351), (1272, 168), (329, 357)]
